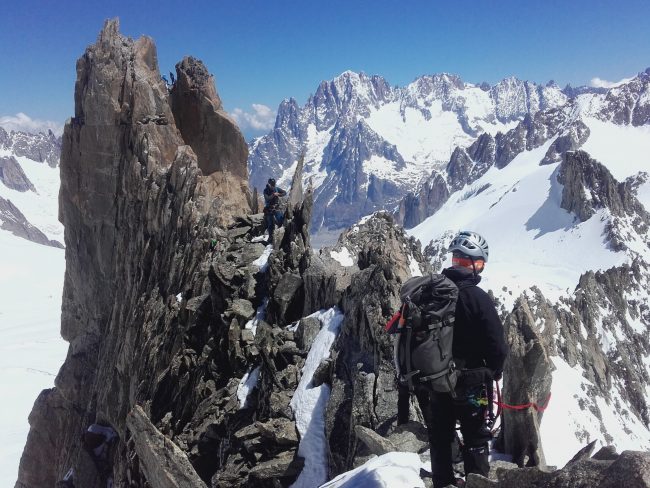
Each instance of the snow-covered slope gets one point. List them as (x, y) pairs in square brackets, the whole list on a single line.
[(366, 143), (31, 348), (29, 180), (569, 229), (31, 284)]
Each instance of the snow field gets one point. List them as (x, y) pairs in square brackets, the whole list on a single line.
[(565, 416), (414, 267), (259, 316), (31, 349), (309, 403), (533, 242), (626, 157), (421, 142)]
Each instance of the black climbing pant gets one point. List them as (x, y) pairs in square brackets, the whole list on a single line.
[(272, 217), (441, 412)]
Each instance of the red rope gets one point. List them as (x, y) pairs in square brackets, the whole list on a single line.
[(524, 406)]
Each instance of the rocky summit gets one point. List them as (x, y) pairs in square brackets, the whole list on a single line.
[(219, 359)]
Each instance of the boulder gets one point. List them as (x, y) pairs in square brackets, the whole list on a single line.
[(242, 309), (283, 465), (164, 464), (308, 329), (631, 469), (606, 453), (280, 431), (13, 220), (376, 444)]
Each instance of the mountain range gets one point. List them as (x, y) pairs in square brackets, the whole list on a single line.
[(367, 144)]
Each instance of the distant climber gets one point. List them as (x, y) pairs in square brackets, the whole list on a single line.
[(478, 350), (272, 213), (97, 441)]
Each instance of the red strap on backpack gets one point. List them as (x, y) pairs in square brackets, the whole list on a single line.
[(391, 325)]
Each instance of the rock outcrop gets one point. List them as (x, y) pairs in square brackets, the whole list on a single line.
[(13, 220), (41, 147), (13, 176), (528, 380), (415, 208), (362, 374), (138, 215), (589, 186), (205, 126), (629, 469)]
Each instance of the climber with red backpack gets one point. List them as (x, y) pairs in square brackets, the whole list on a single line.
[(449, 349)]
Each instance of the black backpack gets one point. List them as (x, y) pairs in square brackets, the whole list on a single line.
[(425, 324)]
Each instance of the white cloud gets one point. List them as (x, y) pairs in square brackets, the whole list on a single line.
[(23, 122), (261, 118), (600, 83)]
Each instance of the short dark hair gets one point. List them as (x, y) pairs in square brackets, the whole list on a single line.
[(271, 181)]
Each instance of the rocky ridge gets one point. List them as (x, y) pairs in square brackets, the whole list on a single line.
[(13, 220), (41, 147), (563, 124), (162, 329)]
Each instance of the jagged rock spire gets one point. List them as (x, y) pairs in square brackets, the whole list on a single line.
[(137, 210)]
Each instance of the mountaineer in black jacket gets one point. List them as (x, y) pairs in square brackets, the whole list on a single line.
[(479, 350), (272, 214)]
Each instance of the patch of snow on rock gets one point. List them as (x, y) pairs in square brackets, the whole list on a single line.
[(259, 315), (263, 261), (309, 403), (343, 256), (392, 469), (246, 385), (414, 267)]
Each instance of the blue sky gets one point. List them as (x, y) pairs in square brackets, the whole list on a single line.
[(264, 51)]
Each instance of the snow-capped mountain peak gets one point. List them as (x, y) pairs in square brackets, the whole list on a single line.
[(423, 122)]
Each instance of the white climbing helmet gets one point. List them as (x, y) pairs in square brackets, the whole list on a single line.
[(471, 244)]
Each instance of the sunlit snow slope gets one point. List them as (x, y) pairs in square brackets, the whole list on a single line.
[(31, 284), (31, 348)]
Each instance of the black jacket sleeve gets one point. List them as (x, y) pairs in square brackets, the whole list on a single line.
[(496, 349)]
